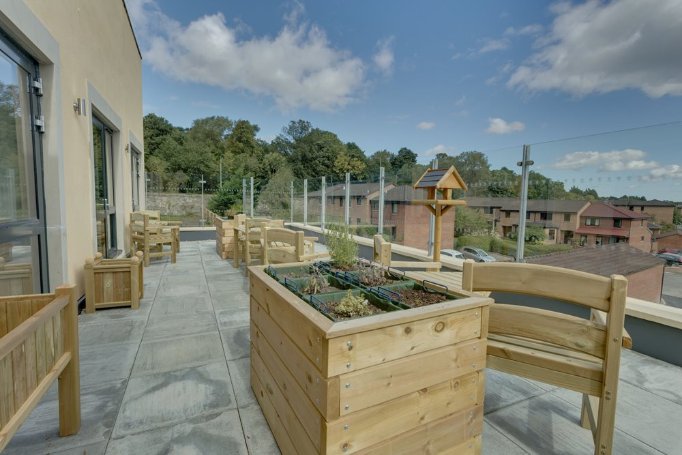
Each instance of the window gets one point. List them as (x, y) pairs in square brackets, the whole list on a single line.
[(591, 221), (487, 210), (507, 214), (23, 244), (567, 217), (598, 240), (551, 234), (528, 215), (583, 240), (642, 238), (617, 222), (641, 223), (358, 200), (358, 221), (394, 207), (374, 205), (341, 201), (545, 216)]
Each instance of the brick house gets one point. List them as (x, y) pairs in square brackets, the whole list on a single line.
[(602, 224), (643, 271), (409, 224), (558, 218), (361, 194), (659, 211), (670, 240)]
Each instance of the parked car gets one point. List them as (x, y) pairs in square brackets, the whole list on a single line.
[(670, 258), (477, 254), (452, 254)]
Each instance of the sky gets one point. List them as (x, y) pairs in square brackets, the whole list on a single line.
[(594, 87)]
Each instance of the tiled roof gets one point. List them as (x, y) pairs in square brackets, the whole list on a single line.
[(669, 233), (356, 189), (636, 202), (596, 230), (605, 260), (404, 193), (601, 210), (534, 205)]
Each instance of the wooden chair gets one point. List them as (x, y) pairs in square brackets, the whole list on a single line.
[(555, 348), (155, 217), (283, 246), (249, 244), (150, 237)]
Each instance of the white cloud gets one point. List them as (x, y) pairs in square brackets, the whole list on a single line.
[(440, 148), (599, 47), (613, 161), (671, 171), (532, 29), (491, 45), (501, 126), (384, 58), (297, 67), (425, 125)]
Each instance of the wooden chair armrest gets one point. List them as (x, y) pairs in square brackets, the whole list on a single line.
[(600, 318)]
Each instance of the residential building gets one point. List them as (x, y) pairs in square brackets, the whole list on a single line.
[(643, 271), (557, 218), (71, 117), (669, 241), (659, 211), (408, 224), (361, 194), (602, 224)]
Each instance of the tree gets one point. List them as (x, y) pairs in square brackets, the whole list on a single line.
[(404, 157), (228, 197), (377, 160), (470, 222), (274, 200), (474, 169), (677, 216), (155, 129), (503, 183), (315, 155), (541, 187)]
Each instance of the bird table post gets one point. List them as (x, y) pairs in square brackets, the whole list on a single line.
[(433, 181)]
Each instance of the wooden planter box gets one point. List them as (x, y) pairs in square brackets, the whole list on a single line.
[(15, 278), (113, 282), (409, 381), (225, 242)]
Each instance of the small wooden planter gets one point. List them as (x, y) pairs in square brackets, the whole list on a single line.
[(15, 278), (409, 381), (113, 282)]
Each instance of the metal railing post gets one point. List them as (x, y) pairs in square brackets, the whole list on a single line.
[(346, 205), (251, 197), (291, 205), (305, 202), (380, 227), (432, 219), (244, 195), (525, 164), (323, 200)]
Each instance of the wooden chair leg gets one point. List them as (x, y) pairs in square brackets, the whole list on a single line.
[(173, 253), (588, 419)]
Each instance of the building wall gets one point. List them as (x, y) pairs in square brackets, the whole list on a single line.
[(647, 284), (640, 235), (671, 242), (412, 227), (85, 50), (660, 214)]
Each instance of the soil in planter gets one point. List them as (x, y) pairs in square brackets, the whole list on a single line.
[(417, 298)]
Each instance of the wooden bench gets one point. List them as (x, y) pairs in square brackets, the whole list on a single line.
[(150, 237), (38, 345), (113, 282), (555, 348), (15, 278), (283, 245)]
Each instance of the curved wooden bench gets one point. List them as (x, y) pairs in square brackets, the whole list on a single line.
[(555, 348)]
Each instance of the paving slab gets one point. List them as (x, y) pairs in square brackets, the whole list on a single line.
[(112, 361), (99, 407), (165, 399), (236, 342), (495, 443), (178, 353), (233, 318), (503, 390), (210, 434), (547, 424), (172, 326), (240, 373), (656, 376), (257, 433), (179, 305), (103, 332)]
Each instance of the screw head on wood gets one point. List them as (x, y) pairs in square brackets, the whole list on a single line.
[(348, 365), (346, 407), (347, 385)]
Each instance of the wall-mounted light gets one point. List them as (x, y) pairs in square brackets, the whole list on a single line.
[(79, 106)]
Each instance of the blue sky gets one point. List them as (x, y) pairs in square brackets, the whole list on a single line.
[(437, 76)]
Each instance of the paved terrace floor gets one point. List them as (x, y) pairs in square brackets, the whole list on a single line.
[(173, 377)]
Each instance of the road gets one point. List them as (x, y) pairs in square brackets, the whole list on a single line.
[(672, 287)]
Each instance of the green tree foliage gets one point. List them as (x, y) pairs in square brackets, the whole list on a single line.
[(470, 222), (377, 160), (228, 198), (314, 155), (275, 199), (504, 183), (404, 157), (677, 216)]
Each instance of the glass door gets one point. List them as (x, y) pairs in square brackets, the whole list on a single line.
[(23, 246), (105, 204)]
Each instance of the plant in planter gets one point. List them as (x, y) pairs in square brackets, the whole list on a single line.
[(417, 297), (315, 283), (353, 305), (372, 276), (342, 248)]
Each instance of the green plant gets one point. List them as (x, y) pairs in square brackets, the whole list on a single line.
[(351, 305), (372, 276), (315, 283), (342, 248)]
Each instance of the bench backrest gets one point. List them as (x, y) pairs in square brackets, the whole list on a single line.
[(592, 291)]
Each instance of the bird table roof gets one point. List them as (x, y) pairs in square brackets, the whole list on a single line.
[(441, 179)]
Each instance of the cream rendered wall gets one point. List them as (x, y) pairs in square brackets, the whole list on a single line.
[(96, 58)]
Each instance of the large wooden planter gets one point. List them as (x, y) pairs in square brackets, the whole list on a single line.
[(113, 282), (410, 381), (224, 229)]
